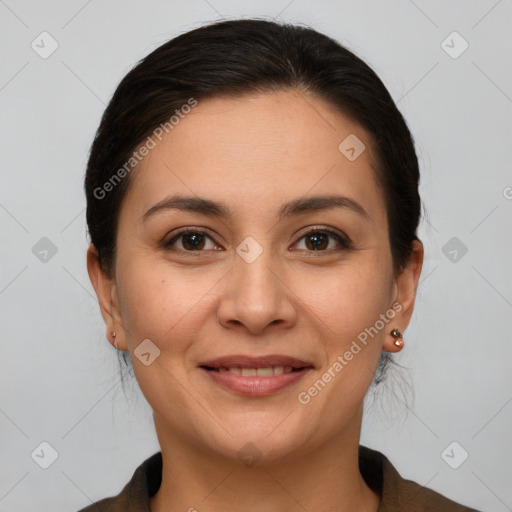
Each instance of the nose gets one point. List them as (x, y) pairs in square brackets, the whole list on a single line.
[(257, 296)]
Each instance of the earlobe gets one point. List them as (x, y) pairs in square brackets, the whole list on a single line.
[(105, 288), (406, 284)]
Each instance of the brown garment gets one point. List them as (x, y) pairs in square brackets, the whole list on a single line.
[(397, 494)]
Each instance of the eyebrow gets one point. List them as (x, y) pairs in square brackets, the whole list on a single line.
[(221, 210)]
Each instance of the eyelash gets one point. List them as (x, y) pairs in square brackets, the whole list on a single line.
[(344, 241)]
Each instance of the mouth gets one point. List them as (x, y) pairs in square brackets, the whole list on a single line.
[(266, 371), (256, 376)]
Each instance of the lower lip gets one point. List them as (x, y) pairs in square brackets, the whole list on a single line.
[(256, 386)]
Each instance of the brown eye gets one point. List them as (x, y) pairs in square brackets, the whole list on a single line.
[(318, 240), (191, 240)]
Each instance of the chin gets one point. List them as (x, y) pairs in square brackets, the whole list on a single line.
[(266, 440)]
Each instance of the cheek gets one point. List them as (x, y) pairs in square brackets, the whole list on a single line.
[(161, 304), (349, 299), (165, 307), (347, 309)]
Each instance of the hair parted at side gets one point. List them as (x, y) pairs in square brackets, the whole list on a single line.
[(240, 57)]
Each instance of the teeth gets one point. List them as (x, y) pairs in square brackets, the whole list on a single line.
[(264, 372), (269, 371)]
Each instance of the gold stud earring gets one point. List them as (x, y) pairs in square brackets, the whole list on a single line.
[(399, 342), (113, 334)]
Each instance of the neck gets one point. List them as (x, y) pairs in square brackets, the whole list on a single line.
[(325, 478)]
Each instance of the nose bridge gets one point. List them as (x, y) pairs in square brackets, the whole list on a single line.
[(257, 295), (256, 277)]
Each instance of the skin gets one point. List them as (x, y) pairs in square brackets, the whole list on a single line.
[(254, 154)]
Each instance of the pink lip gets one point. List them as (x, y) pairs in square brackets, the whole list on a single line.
[(256, 386), (242, 361)]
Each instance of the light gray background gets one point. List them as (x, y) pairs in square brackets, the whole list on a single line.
[(59, 376)]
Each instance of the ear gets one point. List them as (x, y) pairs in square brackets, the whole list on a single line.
[(106, 291), (406, 284)]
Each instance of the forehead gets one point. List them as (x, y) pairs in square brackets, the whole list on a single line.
[(259, 149)]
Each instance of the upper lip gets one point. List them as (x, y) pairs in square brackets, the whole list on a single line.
[(243, 361)]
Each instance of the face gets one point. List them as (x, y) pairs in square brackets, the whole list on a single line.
[(285, 265)]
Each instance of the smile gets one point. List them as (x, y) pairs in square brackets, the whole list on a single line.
[(255, 375), (267, 371)]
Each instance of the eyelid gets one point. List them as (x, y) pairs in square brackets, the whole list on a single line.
[(167, 243), (341, 238)]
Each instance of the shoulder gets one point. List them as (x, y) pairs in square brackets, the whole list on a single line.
[(100, 506), (136, 493), (397, 493)]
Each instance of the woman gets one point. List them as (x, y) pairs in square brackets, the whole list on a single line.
[(252, 202)]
